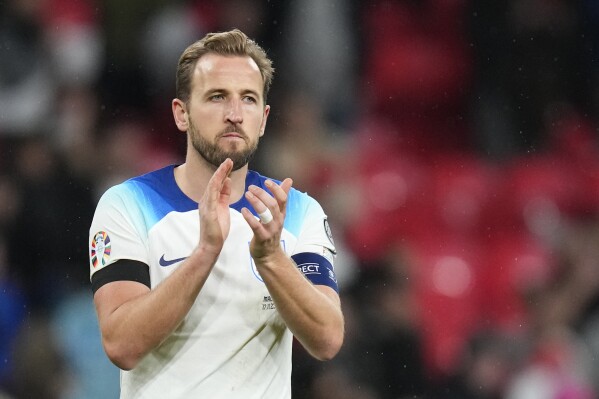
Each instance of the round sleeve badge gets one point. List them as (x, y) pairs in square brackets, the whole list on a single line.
[(327, 229), (100, 249)]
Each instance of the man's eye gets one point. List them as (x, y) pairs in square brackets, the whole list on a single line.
[(216, 97), (250, 99)]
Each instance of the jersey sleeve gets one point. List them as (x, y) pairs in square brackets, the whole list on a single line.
[(315, 233), (117, 231), (315, 250)]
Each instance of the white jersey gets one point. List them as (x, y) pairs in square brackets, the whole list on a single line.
[(232, 343)]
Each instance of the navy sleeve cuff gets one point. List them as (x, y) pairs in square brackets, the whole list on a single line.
[(317, 269)]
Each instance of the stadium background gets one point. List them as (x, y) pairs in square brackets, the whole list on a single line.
[(453, 144)]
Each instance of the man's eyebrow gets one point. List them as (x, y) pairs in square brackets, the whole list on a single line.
[(250, 91), (222, 90), (216, 90)]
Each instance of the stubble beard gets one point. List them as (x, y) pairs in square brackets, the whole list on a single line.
[(215, 155)]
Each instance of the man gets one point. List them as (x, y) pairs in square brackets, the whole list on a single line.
[(211, 269)]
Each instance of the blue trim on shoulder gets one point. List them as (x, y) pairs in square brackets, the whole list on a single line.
[(157, 194)]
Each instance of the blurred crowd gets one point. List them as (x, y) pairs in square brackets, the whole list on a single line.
[(453, 144)]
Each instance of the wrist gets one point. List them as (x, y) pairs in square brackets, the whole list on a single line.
[(272, 259), (204, 254)]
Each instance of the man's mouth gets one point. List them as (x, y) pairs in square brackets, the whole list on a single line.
[(233, 134)]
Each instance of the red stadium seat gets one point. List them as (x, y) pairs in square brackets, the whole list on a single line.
[(447, 287)]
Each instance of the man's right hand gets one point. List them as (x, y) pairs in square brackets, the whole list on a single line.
[(215, 219)]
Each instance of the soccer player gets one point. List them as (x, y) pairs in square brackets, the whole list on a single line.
[(202, 273)]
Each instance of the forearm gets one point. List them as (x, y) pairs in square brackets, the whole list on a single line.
[(312, 314), (142, 322)]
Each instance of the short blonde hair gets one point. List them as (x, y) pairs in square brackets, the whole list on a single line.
[(233, 42)]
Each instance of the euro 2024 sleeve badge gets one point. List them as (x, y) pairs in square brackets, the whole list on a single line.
[(100, 249)]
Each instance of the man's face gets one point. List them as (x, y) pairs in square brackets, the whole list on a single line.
[(226, 112)]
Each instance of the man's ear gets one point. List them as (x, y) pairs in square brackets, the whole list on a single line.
[(264, 119), (180, 115)]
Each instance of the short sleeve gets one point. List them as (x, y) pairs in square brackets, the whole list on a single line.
[(315, 233), (117, 230), (314, 252)]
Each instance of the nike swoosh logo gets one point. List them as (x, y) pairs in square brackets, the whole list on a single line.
[(163, 262)]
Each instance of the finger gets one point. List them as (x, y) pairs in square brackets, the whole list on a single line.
[(280, 192), (225, 191), (249, 217), (265, 217), (259, 206), (260, 197), (216, 182), (223, 171)]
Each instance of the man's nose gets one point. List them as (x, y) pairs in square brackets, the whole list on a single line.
[(234, 113)]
